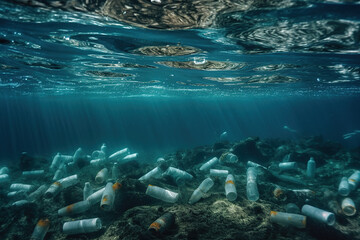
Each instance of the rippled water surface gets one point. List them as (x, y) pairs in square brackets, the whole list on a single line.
[(174, 48)]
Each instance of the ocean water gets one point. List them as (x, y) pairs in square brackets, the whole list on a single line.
[(79, 78)]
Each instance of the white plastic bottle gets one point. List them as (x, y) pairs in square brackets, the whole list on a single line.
[(55, 162), (354, 180), (228, 158), (155, 173), (78, 155), (212, 162), (203, 188), (178, 175), (87, 191), (218, 173), (287, 166), (348, 207), (74, 208), (230, 189), (252, 192), (102, 175), (108, 196), (96, 196), (344, 187), (129, 157), (40, 229), (318, 214), (288, 219), (115, 173), (162, 194), (119, 154), (311, 168), (82, 226), (21, 187)]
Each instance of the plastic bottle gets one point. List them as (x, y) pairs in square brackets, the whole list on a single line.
[(311, 168), (17, 195), (288, 219), (318, 214), (115, 173), (97, 162), (102, 175), (60, 172), (252, 192), (178, 175), (20, 203), (40, 229), (87, 191), (103, 148), (228, 158), (4, 178), (348, 207), (119, 154), (230, 189), (21, 187), (74, 208), (82, 226), (4, 170), (162, 194), (98, 155), (224, 137), (108, 196), (162, 223), (37, 194), (78, 155), (354, 180), (63, 183), (155, 173), (344, 187), (55, 162), (286, 166), (212, 162), (96, 196), (218, 173), (203, 188), (130, 157), (33, 174)]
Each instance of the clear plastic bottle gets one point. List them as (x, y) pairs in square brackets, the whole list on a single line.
[(129, 157), (108, 196), (40, 229), (78, 155), (162, 194), (33, 174), (230, 189), (218, 173), (287, 166), (155, 173), (37, 194), (21, 187), (178, 175), (354, 180), (102, 176), (318, 214), (311, 168), (87, 191), (115, 173), (82, 226), (348, 207), (203, 188), (344, 187), (288, 219), (96, 196), (228, 158), (119, 154), (212, 162), (252, 192)]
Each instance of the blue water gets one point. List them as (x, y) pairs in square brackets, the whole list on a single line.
[(71, 78)]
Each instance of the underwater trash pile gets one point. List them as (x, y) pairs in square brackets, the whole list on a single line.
[(268, 183)]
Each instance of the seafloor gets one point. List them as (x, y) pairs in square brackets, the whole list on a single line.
[(213, 217)]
